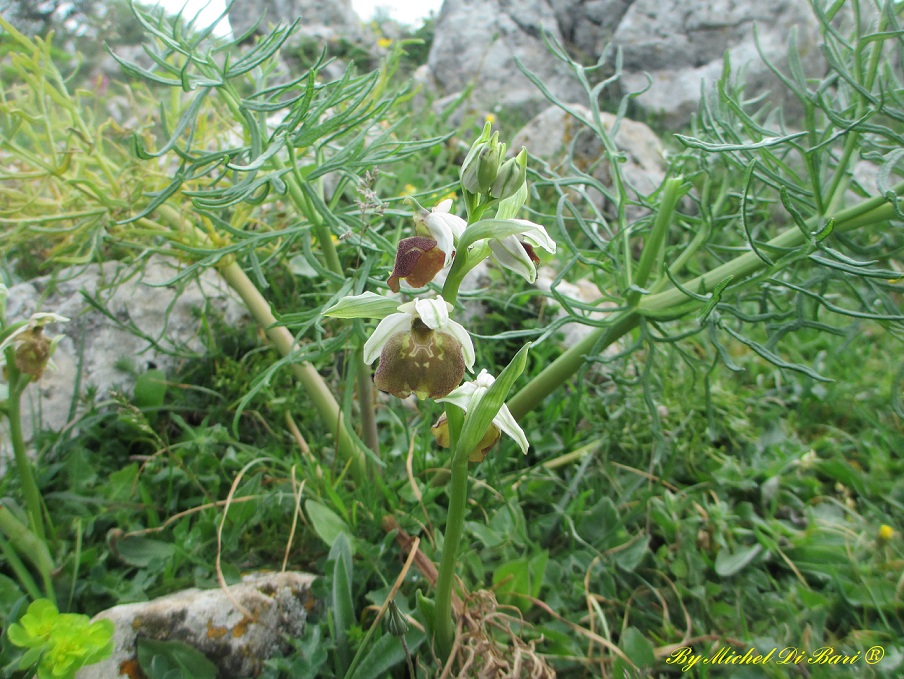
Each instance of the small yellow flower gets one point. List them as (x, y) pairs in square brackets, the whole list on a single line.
[(409, 190), (384, 43), (886, 533), (490, 118)]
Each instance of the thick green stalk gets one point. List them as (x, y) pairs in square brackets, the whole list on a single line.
[(25, 543), (566, 365), (444, 626), (871, 211), (366, 404), (653, 248), (319, 392), (17, 383)]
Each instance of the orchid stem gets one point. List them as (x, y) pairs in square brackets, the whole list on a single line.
[(444, 626)]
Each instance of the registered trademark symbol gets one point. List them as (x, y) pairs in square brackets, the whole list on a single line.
[(874, 655)]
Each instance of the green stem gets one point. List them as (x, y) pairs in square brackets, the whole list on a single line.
[(313, 383), (25, 543), (444, 626), (369, 432), (868, 212), (653, 248), (566, 365), (456, 276), (17, 383)]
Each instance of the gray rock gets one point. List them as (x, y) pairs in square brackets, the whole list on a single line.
[(95, 348), (678, 43), (325, 18), (477, 42), (236, 631), (548, 134), (681, 44), (581, 292)]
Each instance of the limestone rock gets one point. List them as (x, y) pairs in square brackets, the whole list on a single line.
[(96, 347), (678, 43), (323, 18), (681, 43), (581, 292), (477, 42), (237, 641), (548, 134)]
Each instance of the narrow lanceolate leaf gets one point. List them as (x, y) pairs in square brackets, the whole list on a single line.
[(365, 305), (480, 417)]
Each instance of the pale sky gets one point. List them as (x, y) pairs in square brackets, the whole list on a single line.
[(405, 11)]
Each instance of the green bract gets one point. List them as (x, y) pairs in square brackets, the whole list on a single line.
[(365, 305)]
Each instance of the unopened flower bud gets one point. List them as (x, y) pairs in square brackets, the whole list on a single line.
[(511, 176), (480, 168), (396, 624)]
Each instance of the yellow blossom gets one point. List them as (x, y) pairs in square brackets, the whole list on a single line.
[(886, 532), (490, 118), (384, 43)]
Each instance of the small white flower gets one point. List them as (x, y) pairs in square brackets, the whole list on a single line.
[(510, 252), (469, 394), (444, 227)]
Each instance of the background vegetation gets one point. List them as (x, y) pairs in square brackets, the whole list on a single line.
[(727, 474)]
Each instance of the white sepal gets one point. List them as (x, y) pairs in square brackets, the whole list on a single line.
[(389, 326), (510, 254)]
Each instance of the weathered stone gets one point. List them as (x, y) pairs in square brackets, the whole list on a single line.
[(237, 631), (477, 42), (322, 18), (582, 292), (549, 133), (97, 351), (679, 44)]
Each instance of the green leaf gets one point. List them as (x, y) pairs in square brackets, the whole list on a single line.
[(629, 558), (173, 660), (365, 305), (729, 563), (386, 653), (637, 647), (520, 576), (480, 416), (327, 524), (489, 228), (427, 608), (142, 551), (343, 606), (150, 391)]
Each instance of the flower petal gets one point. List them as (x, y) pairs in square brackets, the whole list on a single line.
[(389, 326), (433, 312), (445, 229), (418, 260), (460, 396), (467, 347), (509, 253), (536, 235), (507, 424)]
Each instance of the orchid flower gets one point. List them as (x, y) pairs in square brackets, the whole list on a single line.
[(422, 351), (467, 396)]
